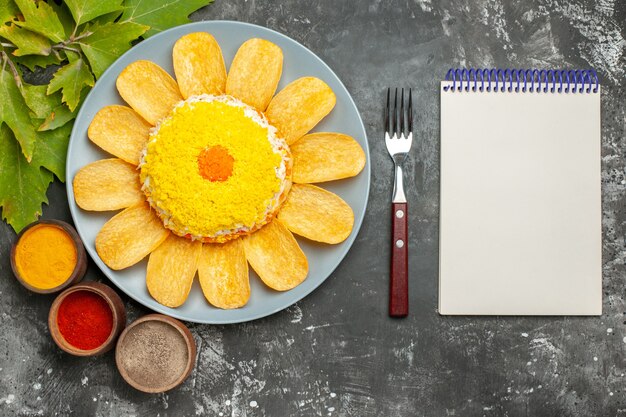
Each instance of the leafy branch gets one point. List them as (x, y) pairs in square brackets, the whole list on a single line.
[(80, 38)]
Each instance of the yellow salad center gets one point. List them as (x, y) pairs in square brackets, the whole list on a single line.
[(211, 168)]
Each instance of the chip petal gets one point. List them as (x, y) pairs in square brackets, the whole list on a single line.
[(148, 89), (199, 65), (171, 269), (108, 184), (325, 156), (223, 274), (255, 72), (276, 256), (120, 131), (300, 106), (317, 214), (129, 236)]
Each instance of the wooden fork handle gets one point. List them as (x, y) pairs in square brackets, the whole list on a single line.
[(399, 280)]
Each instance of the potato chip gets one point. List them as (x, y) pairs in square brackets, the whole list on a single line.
[(199, 65), (120, 131), (319, 157), (223, 273), (317, 214), (255, 72), (299, 107), (148, 89), (108, 184), (171, 269), (276, 257), (129, 236)]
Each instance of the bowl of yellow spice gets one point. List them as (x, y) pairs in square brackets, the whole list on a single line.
[(48, 256)]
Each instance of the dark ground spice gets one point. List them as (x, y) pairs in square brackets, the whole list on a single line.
[(154, 354)]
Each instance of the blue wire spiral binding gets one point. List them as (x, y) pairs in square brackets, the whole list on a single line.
[(524, 80), (482, 78), (550, 81), (508, 75), (543, 77), (471, 72), (498, 73), (535, 74)]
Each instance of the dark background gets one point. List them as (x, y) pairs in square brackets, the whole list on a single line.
[(336, 352)]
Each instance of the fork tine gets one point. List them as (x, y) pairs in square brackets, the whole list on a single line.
[(395, 113), (401, 132), (387, 111), (410, 127)]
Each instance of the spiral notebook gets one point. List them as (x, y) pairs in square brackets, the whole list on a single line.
[(520, 214)]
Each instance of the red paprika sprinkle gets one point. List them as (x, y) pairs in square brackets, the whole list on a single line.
[(85, 320)]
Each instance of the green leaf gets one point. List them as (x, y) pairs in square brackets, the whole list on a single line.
[(71, 79), (23, 185), (86, 10), (39, 101), (39, 17), (27, 42), (108, 42), (8, 10), (109, 17), (58, 117), (51, 150), (160, 14), (32, 61), (61, 115), (15, 113), (51, 145), (65, 17)]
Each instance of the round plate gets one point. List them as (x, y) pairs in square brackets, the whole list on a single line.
[(298, 62)]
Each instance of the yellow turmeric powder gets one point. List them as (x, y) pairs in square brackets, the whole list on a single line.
[(45, 256)]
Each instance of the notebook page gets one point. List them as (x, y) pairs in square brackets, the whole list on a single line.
[(520, 213)]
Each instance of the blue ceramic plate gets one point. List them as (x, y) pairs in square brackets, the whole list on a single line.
[(298, 62)]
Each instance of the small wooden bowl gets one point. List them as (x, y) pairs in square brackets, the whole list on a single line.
[(117, 308), (187, 337), (81, 257)]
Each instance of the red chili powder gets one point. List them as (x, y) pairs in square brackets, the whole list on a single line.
[(85, 320)]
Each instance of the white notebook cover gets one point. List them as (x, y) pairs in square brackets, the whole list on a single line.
[(520, 214)]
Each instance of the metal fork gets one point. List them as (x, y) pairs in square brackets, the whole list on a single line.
[(398, 138)]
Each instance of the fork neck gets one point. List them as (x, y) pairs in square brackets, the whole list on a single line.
[(398, 185)]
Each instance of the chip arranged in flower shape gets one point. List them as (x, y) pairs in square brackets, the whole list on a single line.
[(214, 169), (208, 156)]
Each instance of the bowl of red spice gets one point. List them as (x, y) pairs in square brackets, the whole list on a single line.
[(86, 319)]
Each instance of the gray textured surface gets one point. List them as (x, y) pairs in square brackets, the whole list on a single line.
[(336, 352)]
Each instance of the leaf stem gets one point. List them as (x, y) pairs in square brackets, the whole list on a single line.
[(65, 47), (79, 37), (7, 45), (73, 33), (16, 74)]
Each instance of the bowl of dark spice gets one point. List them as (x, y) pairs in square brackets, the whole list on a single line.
[(48, 256), (86, 319), (155, 353)]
